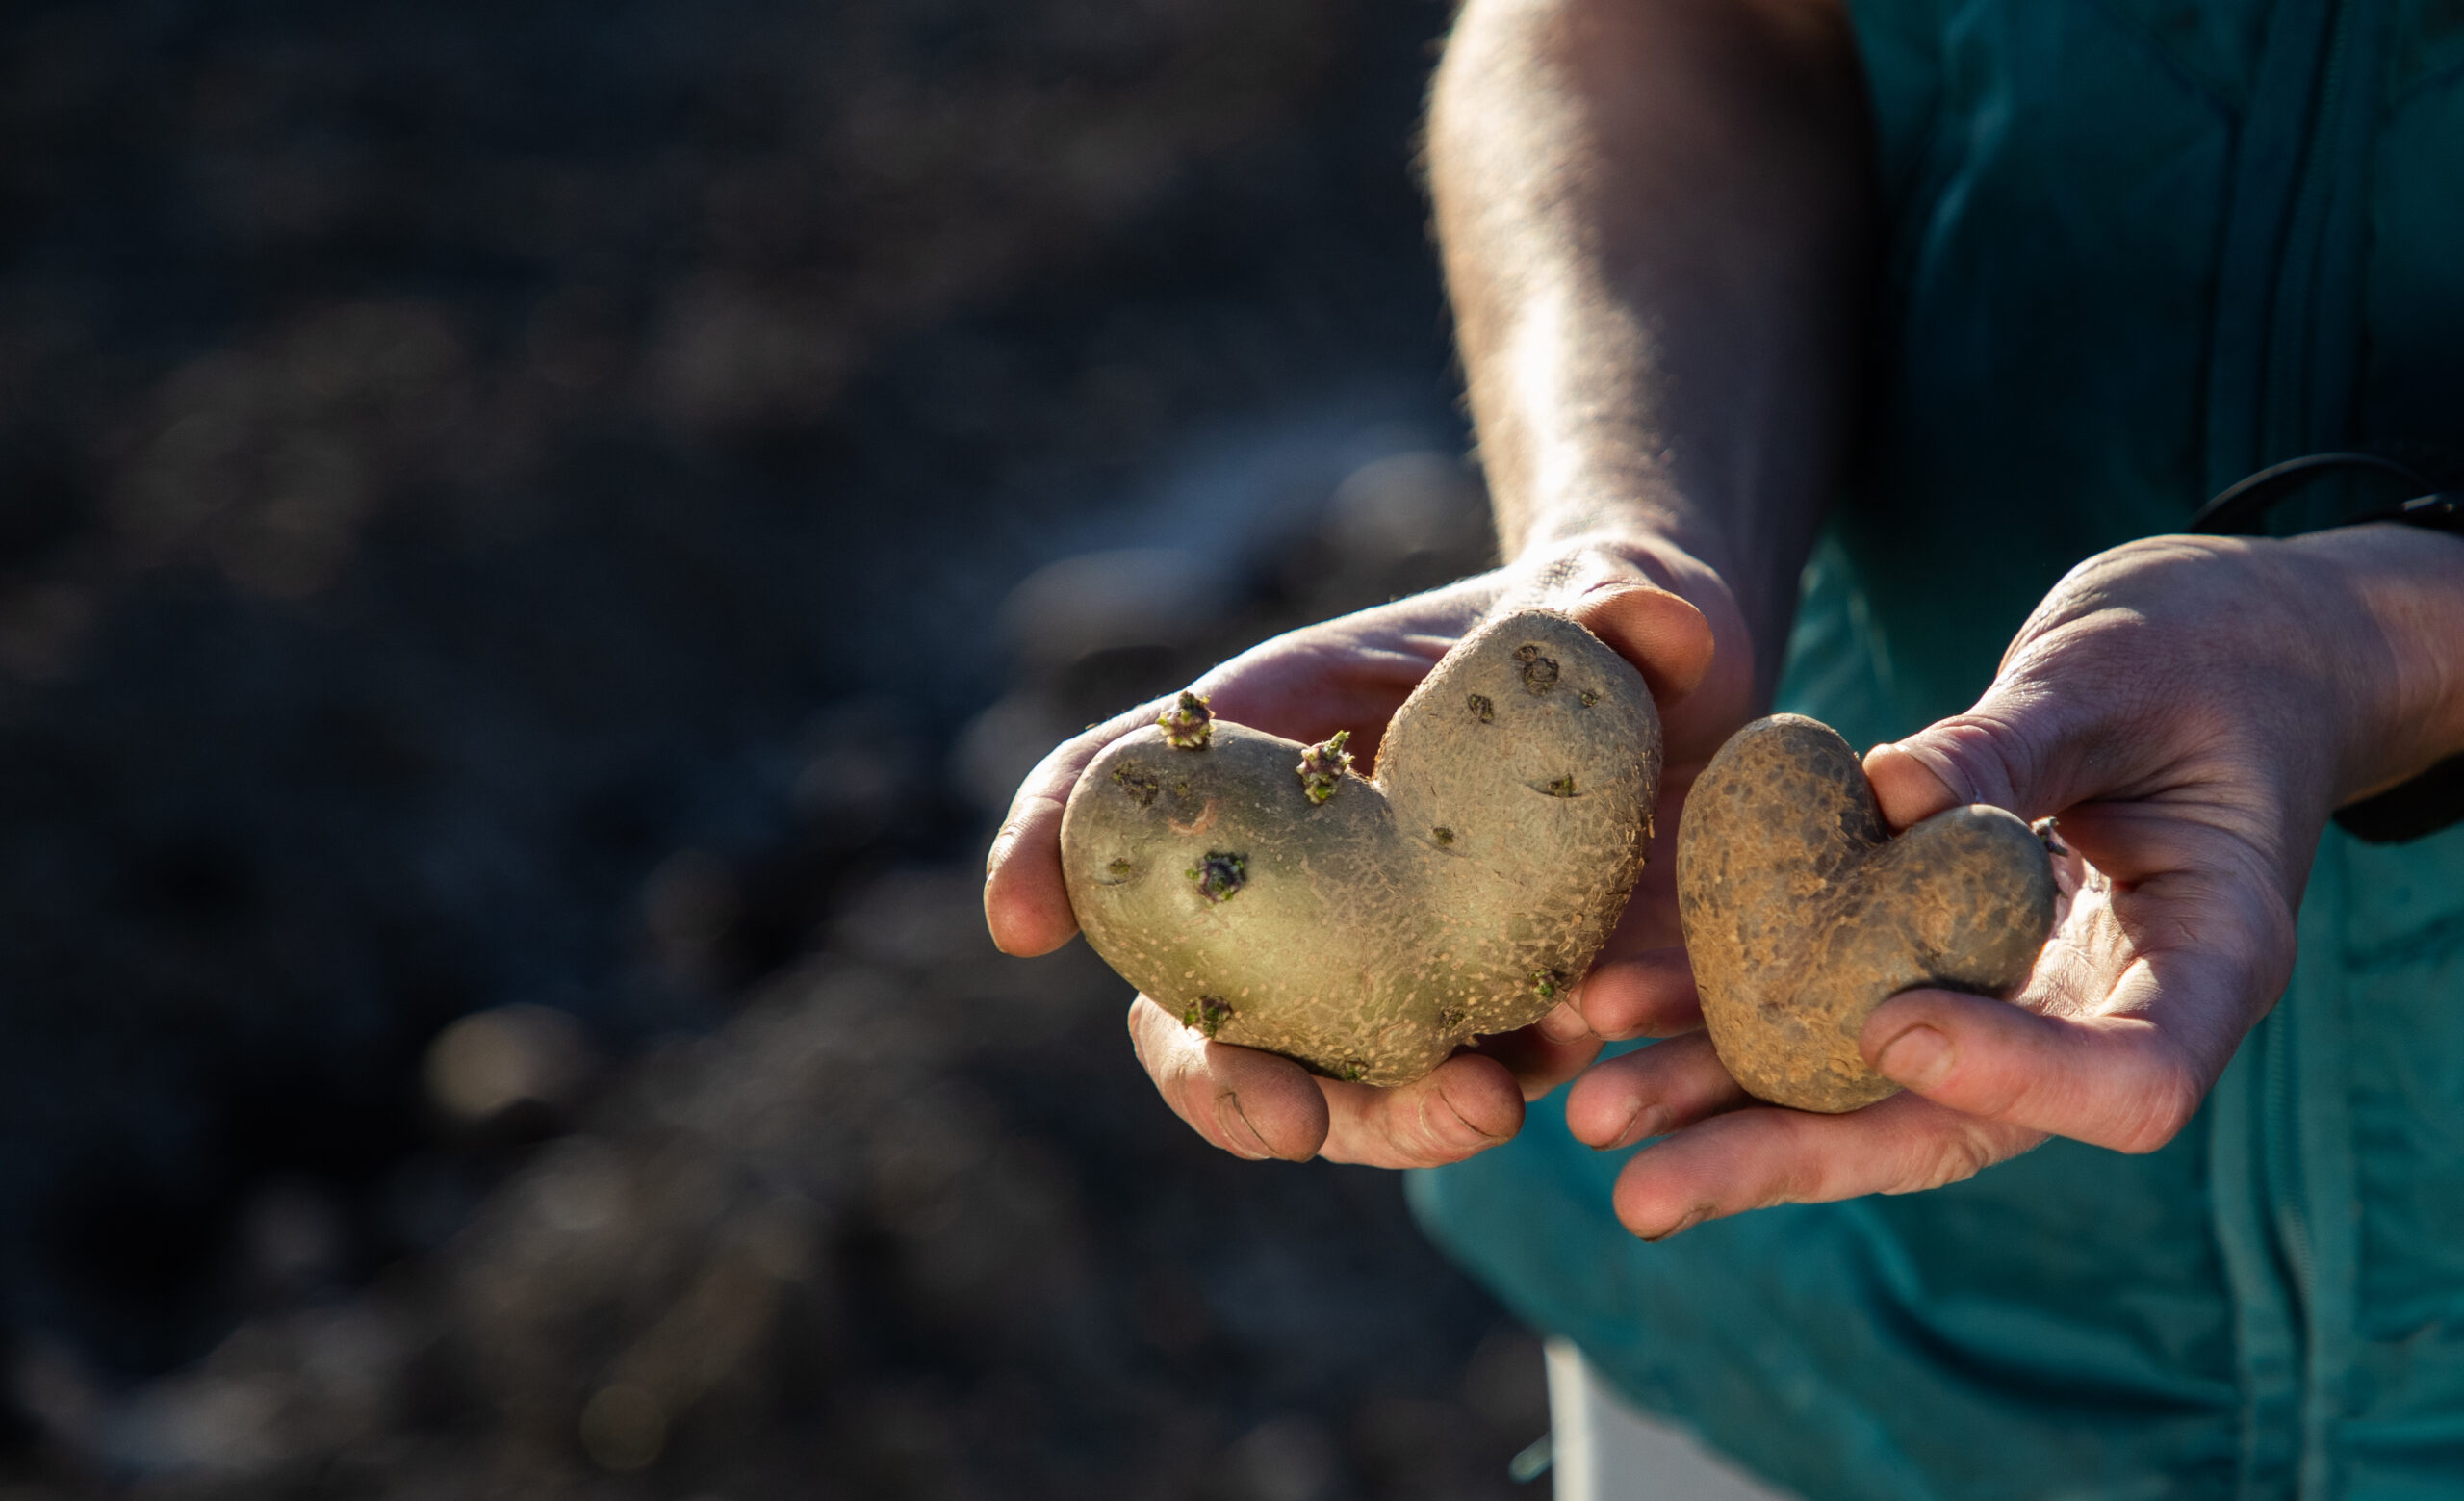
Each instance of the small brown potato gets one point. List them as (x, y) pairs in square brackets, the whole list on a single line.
[(1367, 927), (1802, 913)]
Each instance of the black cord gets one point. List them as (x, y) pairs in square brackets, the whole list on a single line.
[(2241, 510)]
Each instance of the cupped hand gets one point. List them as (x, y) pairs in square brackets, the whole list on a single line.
[(1662, 611), (2191, 708)]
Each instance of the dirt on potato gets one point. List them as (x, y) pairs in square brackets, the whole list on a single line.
[(1367, 927), (1803, 913)]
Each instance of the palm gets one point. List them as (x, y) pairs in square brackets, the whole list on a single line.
[(2188, 817), (1352, 674)]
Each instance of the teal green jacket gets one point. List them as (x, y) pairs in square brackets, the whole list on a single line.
[(2138, 248)]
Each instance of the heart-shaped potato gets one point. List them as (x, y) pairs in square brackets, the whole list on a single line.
[(1803, 913), (1366, 927)]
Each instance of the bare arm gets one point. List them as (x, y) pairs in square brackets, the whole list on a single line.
[(1656, 215), (1653, 216)]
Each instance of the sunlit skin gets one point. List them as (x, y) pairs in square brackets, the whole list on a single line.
[(1655, 225)]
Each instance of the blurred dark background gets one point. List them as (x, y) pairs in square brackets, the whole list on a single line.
[(533, 544)]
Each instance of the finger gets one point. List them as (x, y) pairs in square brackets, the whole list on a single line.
[(1752, 1159), (2193, 832), (1469, 1104), (1908, 787), (1252, 1105), (1539, 1060), (2124, 1080), (2023, 747), (1026, 901), (1650, 1093), (1646, 995), (1650, 919), (1666, 639), (1563, 1025), (1307, 691)]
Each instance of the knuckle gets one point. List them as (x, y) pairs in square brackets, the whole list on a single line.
[(1992, 1076), (1431, 1133), (2272, 942), (1987, 752), (1222, 1106), (1960, 1154), (2015, 752), (2160, 1109), (1804, 1171), (1153, 1034), (1178, 1074), (1187, 1088), (1449, 1128), (1993, 1093)]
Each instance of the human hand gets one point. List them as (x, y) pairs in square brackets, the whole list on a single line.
[(1667, 614), (2192, 708)]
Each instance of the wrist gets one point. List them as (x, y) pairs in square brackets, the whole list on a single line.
[(1638, 515), (2405, 679), (1669, 544), (1569, 572)]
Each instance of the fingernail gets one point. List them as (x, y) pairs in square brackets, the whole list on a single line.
[(1917, 1058), (1649, 1121), (1235, 1121), (1680, 1228), (1456, 1111), (1563, 1023)]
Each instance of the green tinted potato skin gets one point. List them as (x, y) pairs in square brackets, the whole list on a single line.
[(1802, 913), (1455, 893)]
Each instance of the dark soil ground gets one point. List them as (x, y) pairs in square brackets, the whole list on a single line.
[(532, 541)]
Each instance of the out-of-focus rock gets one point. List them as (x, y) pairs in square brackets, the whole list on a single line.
[(52, 1383), (490, 1062), (425, 1197), (919, 919), (623, 1427), (292, 1239), (731, 1270), (508, 507), (865, 766), (1112, 600), (269, 462), (279, 1395), (1417, 502), (1002, 744), (1397, 525), (690, 907)]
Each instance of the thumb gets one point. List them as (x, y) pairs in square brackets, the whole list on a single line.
[(2021, 749), (1906, 784), (1666, 639)]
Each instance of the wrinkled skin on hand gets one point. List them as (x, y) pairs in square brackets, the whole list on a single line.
[(2192, 708), (1662, 611)]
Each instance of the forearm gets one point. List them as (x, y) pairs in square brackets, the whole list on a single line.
[(2407, 672), (1654, 216)]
